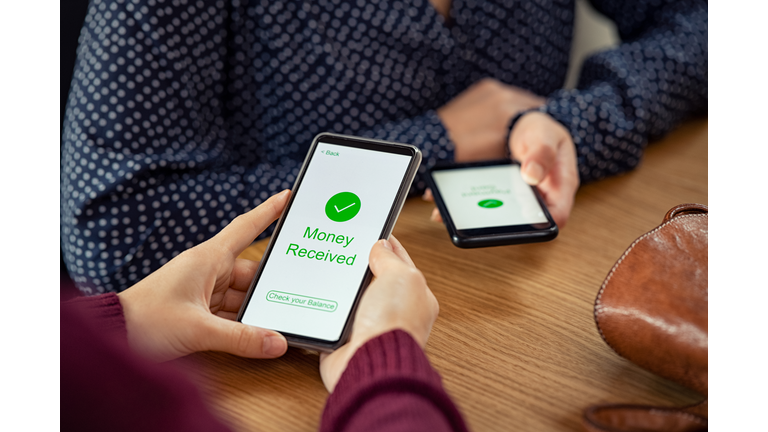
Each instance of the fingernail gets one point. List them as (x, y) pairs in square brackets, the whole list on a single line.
[(273, 345), (533, 174), (435, 214), (386, 244)]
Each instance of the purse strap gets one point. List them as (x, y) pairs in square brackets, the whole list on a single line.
[(633, 418), (684, 209)]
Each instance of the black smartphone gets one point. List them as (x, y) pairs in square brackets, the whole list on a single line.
[(347, 196), (489, 204)]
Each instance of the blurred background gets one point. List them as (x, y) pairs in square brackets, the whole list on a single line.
[(592, 32)]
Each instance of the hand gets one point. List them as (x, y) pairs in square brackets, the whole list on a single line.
[(478, 118), (382, 308), (189, 304), (548, 158), (547, 154)]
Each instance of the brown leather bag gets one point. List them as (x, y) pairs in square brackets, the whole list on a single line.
[(652, 310)]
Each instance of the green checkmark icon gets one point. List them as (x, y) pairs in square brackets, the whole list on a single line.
[(490, 203), (342, 207)]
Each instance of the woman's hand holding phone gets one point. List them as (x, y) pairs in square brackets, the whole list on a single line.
[(190, 303), (547, 154), (382, 308), (477, 120)]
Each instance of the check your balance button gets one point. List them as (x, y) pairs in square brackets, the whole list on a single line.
[(302, 301)]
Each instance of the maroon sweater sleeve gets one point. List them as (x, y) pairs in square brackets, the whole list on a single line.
[(107, 387), (389, 385)]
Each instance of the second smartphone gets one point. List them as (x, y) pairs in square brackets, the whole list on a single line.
[(489, 204), (347, 196)]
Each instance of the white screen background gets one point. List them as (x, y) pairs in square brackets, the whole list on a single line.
[(462, 189)]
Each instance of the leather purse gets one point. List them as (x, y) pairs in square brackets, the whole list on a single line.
[(652, 309)]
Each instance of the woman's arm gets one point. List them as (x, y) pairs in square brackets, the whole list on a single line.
[(627, 96), (106, 386), (381, 380), (389, 385), (171, 132)]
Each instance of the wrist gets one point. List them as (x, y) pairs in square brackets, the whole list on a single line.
[(104, 309), (360, 339), (130, 315), (392, 352), (337, 362), (469, 144), (140, 332)]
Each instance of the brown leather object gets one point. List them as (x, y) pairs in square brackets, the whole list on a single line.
[(652, 307), (652, 310)]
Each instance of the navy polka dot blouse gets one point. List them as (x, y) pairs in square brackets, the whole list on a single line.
[(185, 113)]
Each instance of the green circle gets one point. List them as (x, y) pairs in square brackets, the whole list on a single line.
[(490, 203), (342, 207)]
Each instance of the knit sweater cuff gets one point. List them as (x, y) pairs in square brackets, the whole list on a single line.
[(104, 309), (391, 354), (392, 363)]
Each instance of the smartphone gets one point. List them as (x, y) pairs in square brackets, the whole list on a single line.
[(347, 196), (489, 204)]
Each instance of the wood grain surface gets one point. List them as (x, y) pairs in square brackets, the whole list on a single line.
[(515, 341)]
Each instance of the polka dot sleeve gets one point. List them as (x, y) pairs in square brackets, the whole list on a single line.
[(182, 115), (146, 167), (638, 92)]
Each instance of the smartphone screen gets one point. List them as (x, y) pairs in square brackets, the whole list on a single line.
[(488, 196), (317, 261)]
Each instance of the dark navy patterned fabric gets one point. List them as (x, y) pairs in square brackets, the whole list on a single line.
[(185, 113)]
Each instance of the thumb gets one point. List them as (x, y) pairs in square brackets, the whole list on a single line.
[(242, 340), (539, 160), (535, 146)]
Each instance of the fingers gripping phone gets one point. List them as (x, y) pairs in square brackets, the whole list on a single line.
[(489, 204), (347, 196)]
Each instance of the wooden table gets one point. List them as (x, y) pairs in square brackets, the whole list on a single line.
[(515, 341)]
